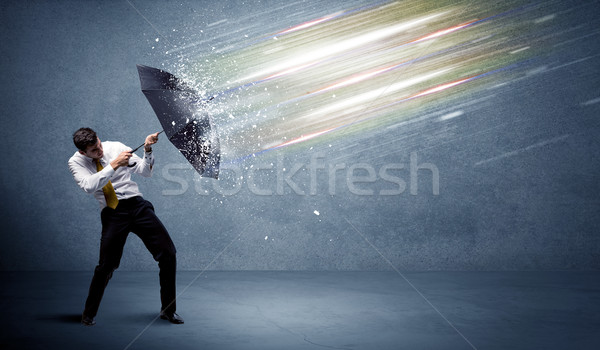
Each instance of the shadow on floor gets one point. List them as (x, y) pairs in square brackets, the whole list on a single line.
[(67, 318)]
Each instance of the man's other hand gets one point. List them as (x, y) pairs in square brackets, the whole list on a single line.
[(150, 140)]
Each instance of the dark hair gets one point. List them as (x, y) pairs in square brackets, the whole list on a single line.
[(84, 137)]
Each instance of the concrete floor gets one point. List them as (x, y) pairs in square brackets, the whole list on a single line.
[(308, 310)]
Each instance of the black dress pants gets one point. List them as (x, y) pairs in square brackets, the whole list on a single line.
[(133, 215)]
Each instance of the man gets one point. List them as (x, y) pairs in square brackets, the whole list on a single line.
[(103, 168)]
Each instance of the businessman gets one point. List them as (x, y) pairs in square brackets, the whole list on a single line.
[(104, 169)]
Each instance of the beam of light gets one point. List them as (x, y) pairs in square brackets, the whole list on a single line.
[(366, 75), (310, 23), (359, 78), (285, 72), (433, 35), (426, 92), (345, 45), (440, 88), (328, 74), (314, 22), (265, 79), (452, 84), (374, 94), (355, 79), (442, 32), (302, 138)]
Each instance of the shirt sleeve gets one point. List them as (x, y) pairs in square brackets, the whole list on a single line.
[(144, 165), (88, 180)]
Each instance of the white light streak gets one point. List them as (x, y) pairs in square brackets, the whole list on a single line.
[(340, 47), (374, 94), (451, 115)]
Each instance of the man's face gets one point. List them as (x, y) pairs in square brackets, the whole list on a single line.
[(94, 151)]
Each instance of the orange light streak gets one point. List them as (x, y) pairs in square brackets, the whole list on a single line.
[(309, 23), (304, 138), (442, 32), (439, 88)]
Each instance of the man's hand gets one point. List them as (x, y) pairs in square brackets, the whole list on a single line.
[(121, 160), (150, 140)]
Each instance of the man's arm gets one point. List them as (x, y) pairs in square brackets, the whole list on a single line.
[(89, 181), (144, 166)]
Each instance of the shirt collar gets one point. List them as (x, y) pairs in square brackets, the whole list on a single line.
[(91, 160)]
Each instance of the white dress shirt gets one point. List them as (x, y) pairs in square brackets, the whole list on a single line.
[(90, 180)]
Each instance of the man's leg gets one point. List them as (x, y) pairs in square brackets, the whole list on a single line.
[(114, 234), (157, 240)]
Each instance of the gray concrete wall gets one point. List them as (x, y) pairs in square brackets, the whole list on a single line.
[(517, 172)]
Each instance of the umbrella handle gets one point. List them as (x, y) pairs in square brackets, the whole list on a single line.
[(138, 147)]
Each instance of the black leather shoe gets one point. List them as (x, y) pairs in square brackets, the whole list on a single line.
[(171, 317), (88, 321)]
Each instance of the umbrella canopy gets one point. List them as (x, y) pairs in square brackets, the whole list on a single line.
[(184, 118)]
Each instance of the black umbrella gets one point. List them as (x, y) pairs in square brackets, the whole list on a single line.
[(183, 116)]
